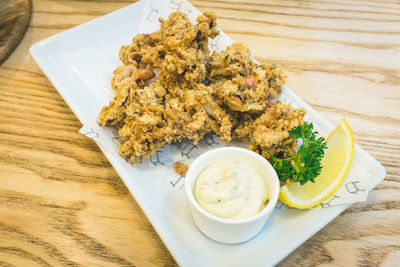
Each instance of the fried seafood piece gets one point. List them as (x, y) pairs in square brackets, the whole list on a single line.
[(153, 118), (234, 60), (179, 48), (243, 130), (270, 130), (196, 113), (115, 113), (186, 50), (130, 73), (171, 108), (138, 114), (143, 137), (242, 84), (145, 49)]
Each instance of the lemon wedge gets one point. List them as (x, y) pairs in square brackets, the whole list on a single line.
[(335, 166)]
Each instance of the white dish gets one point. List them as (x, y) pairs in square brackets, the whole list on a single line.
[(231, 231), (79, 62)]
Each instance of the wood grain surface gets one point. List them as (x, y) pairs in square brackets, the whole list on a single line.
[(14, 20), (61, 203)]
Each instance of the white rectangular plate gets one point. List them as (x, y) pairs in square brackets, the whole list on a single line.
[(79, 62)]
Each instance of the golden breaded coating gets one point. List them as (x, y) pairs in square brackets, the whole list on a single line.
[(180, 168), (170, 87), (270, 130)]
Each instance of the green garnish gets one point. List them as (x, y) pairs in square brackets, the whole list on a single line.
[(305, 165)]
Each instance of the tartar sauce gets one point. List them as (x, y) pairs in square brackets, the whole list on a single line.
[(231, 190)]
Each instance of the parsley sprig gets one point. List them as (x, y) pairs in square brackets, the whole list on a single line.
[(305, 165)]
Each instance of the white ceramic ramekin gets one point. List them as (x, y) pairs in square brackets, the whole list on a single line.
[(231, 231)]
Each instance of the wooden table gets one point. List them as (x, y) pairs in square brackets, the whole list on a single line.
[(61, 203)]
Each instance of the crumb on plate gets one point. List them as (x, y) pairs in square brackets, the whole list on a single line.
[(180, 168)]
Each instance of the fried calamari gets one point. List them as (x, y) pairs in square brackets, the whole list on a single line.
[(170, 88)]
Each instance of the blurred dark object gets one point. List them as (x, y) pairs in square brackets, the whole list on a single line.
[(14, 20)]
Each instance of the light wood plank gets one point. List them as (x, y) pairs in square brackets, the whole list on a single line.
[(61, 203)]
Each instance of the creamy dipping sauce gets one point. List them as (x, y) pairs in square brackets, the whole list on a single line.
[(231, 190)]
